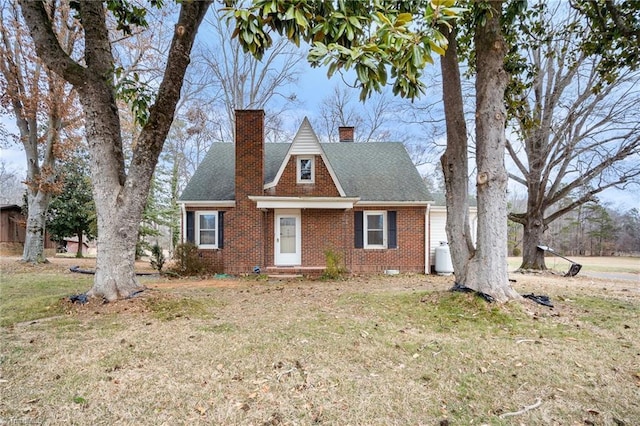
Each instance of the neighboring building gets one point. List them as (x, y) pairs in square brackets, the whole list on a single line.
[(70, 245), (13, 229), (12, 226), (438, 231), (281, 207)]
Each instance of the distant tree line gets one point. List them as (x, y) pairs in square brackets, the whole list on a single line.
[(592, 229)]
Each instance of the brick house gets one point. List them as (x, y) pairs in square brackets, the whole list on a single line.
[(281, 207)]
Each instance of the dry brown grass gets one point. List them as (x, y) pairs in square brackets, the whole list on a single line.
[(367, 351)]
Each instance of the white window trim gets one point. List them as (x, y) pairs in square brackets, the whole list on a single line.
[(197, 228), (313, 169), (365, 229)]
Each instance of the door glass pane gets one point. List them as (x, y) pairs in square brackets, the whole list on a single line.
[(287, 235)]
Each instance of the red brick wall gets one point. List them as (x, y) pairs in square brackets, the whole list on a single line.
[(249, 153), (324, 230), (323, 185), (334, 230), (408, 257), (321, 230), (213, 259)]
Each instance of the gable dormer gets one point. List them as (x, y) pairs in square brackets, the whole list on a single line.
[(305, 170), (305, 142)]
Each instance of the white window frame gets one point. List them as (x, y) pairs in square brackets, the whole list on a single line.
[(197, 228), (365, 229), (299, 169)]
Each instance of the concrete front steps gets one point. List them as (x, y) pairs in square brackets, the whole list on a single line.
[(294, 272)]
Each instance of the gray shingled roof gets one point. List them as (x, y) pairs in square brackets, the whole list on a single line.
[(371, 171), (379, 171)]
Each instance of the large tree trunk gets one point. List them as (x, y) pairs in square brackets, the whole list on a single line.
[(533, 230), (39, 181), (119, 213), (455, 161), (119, 210), (119, 197), (115, 264), (487, 270), (533, 222), (38, 203), (80, 235)]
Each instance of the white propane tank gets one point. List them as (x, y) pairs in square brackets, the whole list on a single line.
[(443, 259)]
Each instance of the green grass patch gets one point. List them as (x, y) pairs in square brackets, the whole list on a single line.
[(438, 311), (171, 309), (608, 313), (28, 297), (444, 313)]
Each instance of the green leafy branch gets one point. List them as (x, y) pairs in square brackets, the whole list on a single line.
[(136, 93), (369, 37)]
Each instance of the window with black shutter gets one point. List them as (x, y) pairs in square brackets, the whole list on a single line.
[(392, 237), (191, 220), (205, 229), (358, 229), (220, 230), (375, 229)]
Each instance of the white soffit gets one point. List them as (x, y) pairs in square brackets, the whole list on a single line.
[(200, 203), (266, 202), (393, 203)]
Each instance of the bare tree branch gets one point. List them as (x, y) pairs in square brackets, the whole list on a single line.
[(578, 132)]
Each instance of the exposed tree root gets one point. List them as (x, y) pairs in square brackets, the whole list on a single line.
[(77, 270), (524, 410)]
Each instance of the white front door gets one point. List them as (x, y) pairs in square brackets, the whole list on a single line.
[(287, 238)]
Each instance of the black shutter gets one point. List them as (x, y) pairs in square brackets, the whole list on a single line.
[(191, 219), (220, 230), (358, 228), (392, 238)]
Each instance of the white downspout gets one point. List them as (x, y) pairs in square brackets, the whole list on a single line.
[(427, 248), (183, 228)]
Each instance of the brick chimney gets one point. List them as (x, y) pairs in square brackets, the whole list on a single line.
[(346, 133), (249, 153), (243, 224)]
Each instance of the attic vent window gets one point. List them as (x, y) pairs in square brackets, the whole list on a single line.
[(305, 170)]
